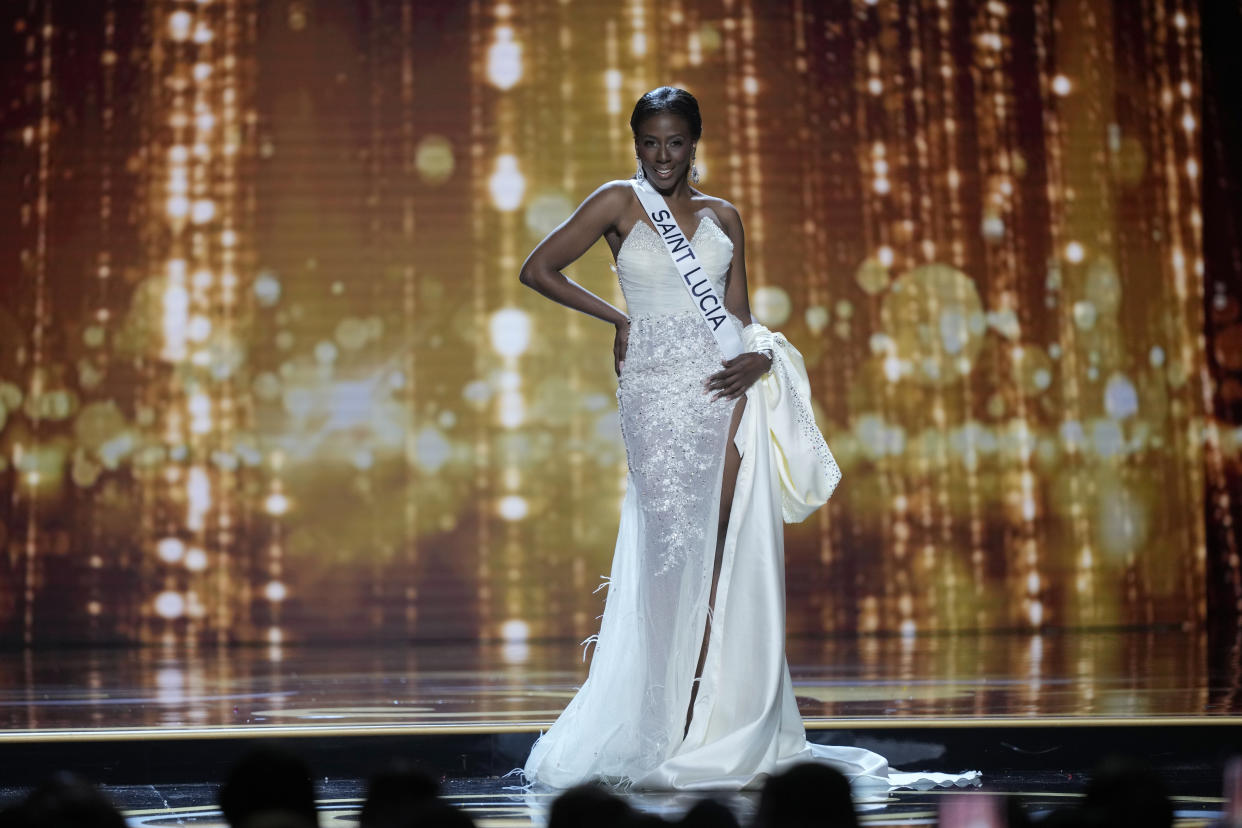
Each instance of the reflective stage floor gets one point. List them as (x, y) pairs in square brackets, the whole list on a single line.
[(158, 726), (855, 681)]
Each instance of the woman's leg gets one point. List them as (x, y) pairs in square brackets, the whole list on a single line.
[(733, 461)]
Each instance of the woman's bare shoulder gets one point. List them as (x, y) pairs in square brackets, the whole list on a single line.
[(618, 190), (726, 214)]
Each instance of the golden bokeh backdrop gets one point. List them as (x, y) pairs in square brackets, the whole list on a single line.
[(267, 373)]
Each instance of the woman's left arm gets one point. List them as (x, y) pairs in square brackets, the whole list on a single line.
[(740, 372)]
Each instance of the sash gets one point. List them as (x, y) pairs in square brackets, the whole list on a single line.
[(702, 293)]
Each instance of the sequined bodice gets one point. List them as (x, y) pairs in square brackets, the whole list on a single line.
[(649, 279)]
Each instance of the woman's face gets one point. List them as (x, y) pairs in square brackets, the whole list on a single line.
[(664, 147)]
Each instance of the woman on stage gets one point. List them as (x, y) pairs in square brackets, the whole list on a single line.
[(688, 685)]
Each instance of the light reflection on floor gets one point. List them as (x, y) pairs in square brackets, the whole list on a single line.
[(1111, 674)]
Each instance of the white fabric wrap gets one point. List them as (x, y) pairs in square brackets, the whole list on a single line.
[(807, 470)]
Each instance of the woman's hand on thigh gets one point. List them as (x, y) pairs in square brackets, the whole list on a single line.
[(738, 375)]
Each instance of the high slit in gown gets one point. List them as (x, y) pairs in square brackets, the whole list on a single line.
[(627, 724)]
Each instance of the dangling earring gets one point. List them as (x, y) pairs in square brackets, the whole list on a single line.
[(639, 175), (694, 172)]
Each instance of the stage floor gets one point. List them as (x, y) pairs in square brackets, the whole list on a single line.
[(160, 725), (840, 682)]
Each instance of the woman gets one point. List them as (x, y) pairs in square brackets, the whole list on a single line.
[(688, 685)]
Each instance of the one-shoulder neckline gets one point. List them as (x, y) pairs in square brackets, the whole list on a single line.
[(652, 231)]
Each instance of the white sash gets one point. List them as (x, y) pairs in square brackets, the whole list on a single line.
[(700, 288)]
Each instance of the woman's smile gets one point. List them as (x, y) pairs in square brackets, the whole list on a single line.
[(664, 147)]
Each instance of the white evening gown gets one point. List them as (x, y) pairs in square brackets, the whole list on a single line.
[(625, 725)]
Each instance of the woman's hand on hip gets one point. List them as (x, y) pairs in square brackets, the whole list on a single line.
[(738, 375)]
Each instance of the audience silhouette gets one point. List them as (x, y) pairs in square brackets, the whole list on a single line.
[(64, 801), (270, 787), (396, 796), (1126, 792), (265, 781), (589, 805), (806, 795), (708, 813)]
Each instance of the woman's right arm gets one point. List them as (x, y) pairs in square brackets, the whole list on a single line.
[(542, 268)]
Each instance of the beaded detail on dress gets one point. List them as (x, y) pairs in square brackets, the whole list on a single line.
[(671, 425), (812, 438), (672, 429)]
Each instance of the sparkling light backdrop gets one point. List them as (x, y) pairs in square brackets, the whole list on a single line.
[(267, 373)]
